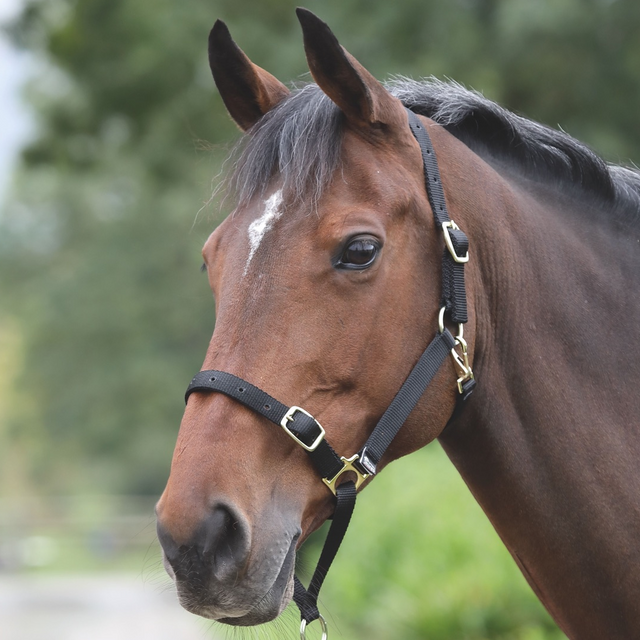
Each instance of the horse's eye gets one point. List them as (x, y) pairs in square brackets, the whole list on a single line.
[(359, 254)]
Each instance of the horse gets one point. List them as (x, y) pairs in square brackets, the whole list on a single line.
[(326, 278)]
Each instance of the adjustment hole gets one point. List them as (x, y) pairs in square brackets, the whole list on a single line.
[(267, 407), (241, 389), (212, 379), (428, 151)]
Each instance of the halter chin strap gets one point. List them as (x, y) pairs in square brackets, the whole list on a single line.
[(307, 432)]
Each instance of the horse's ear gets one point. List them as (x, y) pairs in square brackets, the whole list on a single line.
[(358, 94), (247, 90)]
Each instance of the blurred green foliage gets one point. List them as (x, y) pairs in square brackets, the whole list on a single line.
[(104, 316), (422, 561)]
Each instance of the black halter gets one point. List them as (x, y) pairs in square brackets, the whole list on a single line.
[(309, 434)]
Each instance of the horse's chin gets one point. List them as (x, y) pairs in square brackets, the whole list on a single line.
[(269, 608), (230, 607)]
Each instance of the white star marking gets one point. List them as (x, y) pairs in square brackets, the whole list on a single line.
[(272, 211)]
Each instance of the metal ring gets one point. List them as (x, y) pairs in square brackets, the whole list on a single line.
[(460, 336), (441, 319), (323, 626)]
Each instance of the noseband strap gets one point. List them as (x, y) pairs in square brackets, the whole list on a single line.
[(307, 432), (303, 428)]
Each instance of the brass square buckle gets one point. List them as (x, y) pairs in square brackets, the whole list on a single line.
[(348, 465), (447, 240), (288, 417)]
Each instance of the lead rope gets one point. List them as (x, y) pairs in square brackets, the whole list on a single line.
[(307, 599), (307, 432)]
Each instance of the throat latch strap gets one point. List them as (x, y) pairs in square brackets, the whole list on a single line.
[(406, 399)]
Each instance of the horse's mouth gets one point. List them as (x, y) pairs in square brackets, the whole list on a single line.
[(270, 607), (232, 605)]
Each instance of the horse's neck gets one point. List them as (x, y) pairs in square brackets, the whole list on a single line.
[(549, 443)]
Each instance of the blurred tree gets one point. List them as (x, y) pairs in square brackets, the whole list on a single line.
[(99, 260)]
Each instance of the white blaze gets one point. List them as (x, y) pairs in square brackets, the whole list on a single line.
[(257, 229)]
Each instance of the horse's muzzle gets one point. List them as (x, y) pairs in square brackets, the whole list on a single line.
[(219, 576)]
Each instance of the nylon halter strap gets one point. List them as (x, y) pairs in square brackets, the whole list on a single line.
[(307, 432)]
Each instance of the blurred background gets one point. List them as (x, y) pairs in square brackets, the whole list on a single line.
[(111, 140)]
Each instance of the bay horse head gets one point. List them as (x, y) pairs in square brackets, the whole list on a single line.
[(327, 284)]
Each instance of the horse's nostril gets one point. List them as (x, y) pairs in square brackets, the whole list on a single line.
[(226, 541), (169, 545), (221, 528), (219, 546)]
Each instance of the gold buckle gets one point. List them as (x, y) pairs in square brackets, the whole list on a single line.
[(347, 466), (288, 417), (447, 240)]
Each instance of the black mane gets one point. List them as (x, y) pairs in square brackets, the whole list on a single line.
[(300, 139)]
